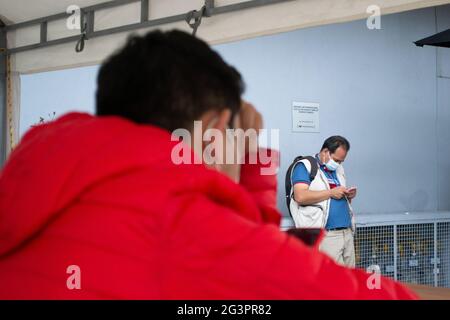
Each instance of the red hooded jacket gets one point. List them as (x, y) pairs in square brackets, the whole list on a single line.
[(103, 194)]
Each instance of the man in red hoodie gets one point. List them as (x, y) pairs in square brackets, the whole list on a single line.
[(96, 207)]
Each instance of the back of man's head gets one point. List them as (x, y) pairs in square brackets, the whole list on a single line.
[(167, 79)]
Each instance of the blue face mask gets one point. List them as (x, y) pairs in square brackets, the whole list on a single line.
[(332, 165)]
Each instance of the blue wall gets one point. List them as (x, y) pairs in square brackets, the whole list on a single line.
[(56, 91), (443, 125), (376, 88), (387, 96)]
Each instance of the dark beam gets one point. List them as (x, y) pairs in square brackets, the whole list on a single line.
[(244, 5), (90, 16), (144, 10), (44, 31), (63, 15)]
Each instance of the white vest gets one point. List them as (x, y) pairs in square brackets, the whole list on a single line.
[(316, 216)]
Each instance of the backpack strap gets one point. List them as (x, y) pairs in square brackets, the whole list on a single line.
[(288, 181), (314, 167)]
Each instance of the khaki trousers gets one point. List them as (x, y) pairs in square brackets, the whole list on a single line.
[(339, 245)]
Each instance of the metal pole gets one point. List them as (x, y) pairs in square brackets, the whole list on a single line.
[(435, 264), (395, 253), (3, 122)]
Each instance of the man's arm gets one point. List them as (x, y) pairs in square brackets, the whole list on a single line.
[(306, 197)]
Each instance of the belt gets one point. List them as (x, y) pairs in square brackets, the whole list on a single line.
[(337, 229)]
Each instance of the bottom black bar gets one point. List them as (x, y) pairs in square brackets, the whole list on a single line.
[(221, 309)]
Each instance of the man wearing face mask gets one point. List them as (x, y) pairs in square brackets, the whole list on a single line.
[(325, 201)]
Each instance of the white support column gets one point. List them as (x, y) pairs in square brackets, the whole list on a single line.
[(12, 107), (3, 123)]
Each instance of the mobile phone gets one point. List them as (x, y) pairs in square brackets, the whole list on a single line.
[(351, 189)]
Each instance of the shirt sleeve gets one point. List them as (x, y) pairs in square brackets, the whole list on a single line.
[(300, 174)]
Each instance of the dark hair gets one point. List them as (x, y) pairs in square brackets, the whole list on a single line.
[(334, 142), (167, 79)]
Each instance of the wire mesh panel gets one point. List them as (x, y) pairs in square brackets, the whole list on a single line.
[(374, 248), (443, 254), (415, 253)]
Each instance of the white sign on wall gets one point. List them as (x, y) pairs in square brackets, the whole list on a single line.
[(305, 117)]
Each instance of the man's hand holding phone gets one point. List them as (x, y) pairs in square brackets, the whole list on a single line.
[(351, 192)]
